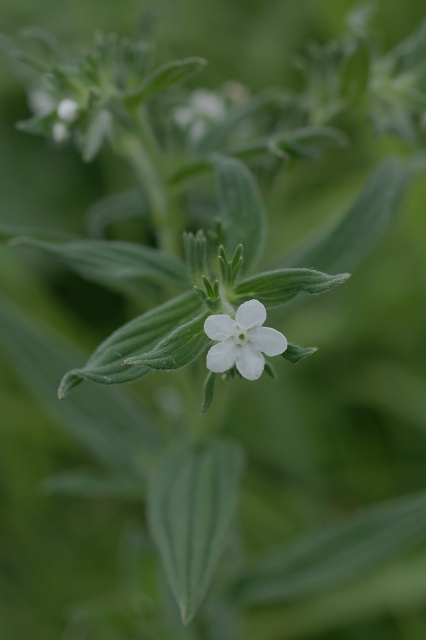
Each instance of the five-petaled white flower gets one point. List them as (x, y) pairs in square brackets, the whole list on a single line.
[(242, 341)]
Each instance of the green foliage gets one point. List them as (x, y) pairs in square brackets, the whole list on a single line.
[(294, 353), (124, 205), (209, 167), (307, 143), (208, 391), (274, 288), (122, 265), (111, 426), (88, 483), (341, 552), (192, 500), (177, 350), (345, 243), (106, 365), (164, 77), (195, 246), (241, 209)]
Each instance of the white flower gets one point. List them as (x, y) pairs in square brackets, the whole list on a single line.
[(41, 103), (60, 132), (208, 104), (67, 110), (242, 341), (203, 109)]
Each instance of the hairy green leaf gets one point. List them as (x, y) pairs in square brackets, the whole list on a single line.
[(242, 210), (294, 353), (407, 54), (165, 77), (97, 130), (344, 244), (192, 498), (307, 142), (38, 124), (108, 423), (274, 288), (122, 265), (336, 554), (178, 349), (208, 391), (106, 364), (400, 586)]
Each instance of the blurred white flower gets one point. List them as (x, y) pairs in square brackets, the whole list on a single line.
[(242, 341), (203, 109), (67, 110), (40, 102), (60, 132), (208, 104)]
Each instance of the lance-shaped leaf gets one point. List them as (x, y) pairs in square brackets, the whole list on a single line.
[(400, 586), (208, 391), (97, 130), (242, 210), (294, 353), (307, 142), (407, 55), (336, 554), (106, 364), (165, 77), (344, 244), (274, 288), (111, 425), (121, 265), (178, 349), (39, 125), (192, 498)]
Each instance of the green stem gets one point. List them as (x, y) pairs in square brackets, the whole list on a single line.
[(139, 147)]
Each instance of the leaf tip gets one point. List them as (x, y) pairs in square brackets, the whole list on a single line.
[(186, 616), (340, 278), (68, 382), (201, 61)]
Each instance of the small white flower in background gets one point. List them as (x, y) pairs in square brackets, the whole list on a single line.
[(60, 132), (204, 108), (243, 341), (67, 110), (40, 102), (208, 104)]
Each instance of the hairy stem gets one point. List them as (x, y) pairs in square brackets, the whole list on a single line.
[(139, 147)]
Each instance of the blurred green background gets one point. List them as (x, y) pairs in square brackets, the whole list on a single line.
[(345, 429)]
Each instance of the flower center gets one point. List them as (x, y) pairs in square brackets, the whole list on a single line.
[(242, 335)]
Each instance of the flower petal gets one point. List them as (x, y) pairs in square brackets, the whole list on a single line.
[(251, 314), (250, 362), (222, 356), (219, 327), (268, 340)]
